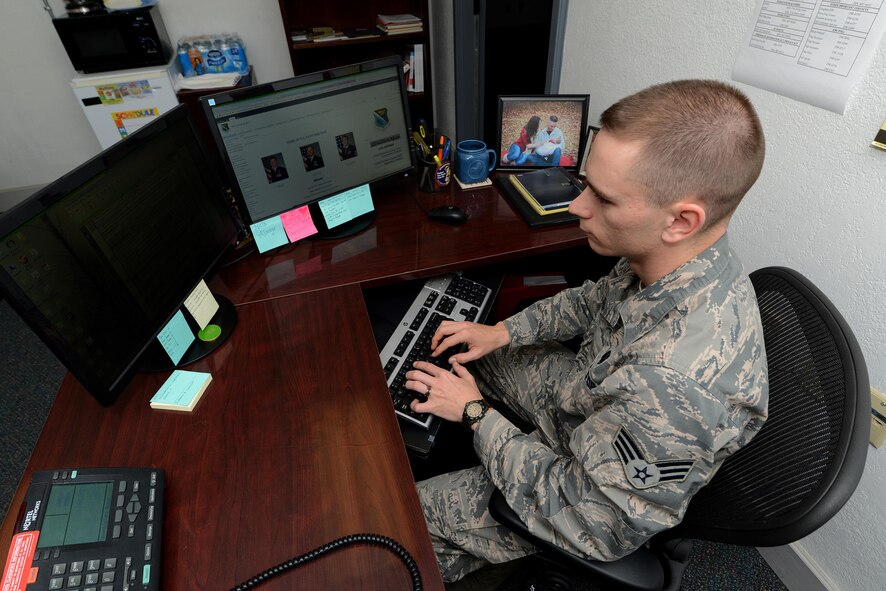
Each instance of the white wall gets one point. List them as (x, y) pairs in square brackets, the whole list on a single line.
[(819, 206), (43, 131)]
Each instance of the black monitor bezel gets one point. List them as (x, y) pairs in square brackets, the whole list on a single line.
[(286, 84), (45, 198)]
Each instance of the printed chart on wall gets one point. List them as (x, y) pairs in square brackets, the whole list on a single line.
[(814, 51)]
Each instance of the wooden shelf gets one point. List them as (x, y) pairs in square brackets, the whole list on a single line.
[(417, 37), (343, 15)]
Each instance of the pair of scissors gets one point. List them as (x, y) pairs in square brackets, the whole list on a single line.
[(423, 129), (420, 143)]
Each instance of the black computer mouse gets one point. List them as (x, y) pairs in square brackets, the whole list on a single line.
[(448, 214)]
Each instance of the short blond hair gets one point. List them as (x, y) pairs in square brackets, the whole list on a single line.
[(701, 137)]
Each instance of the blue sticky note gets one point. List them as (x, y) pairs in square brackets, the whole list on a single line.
[(269, 234), (176, 337), (181, 390), (346, 206)]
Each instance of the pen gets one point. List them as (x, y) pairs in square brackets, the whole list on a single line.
[(446, 147), (440, 147), (437, 159)]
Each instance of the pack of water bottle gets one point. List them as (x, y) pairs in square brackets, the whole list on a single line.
[(212, 54)]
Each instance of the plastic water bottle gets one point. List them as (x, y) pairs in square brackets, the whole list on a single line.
[(238, 55), (198, 56), (184, 59), (215, 59)]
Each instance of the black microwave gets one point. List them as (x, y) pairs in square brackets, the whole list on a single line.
[(115, 39)]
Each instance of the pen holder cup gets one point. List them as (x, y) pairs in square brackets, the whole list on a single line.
[(433, 177)]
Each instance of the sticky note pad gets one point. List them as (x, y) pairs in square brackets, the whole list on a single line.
[(176, 337), (201, 304), (181, 391), (269, 234), (346, 206), (298, 223)]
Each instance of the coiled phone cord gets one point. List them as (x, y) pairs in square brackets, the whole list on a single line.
[(376, 539)]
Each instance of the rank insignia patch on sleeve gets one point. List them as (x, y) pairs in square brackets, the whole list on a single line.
[(643, 473)]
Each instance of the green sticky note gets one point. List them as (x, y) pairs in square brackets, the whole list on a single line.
[(344, 207)]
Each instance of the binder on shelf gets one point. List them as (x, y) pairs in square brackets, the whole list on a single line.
[(410, 80), (418, 67)]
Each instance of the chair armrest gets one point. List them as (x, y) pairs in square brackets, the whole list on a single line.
[(639, 571)]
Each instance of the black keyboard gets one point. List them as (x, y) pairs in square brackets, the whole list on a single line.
[(450, 297)]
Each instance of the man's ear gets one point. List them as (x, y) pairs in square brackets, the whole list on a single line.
[(687, 218)]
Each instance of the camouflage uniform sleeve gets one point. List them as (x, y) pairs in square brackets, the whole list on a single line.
[(559, 317), (648, 443)]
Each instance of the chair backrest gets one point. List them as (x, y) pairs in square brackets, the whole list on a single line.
[(806, 461)]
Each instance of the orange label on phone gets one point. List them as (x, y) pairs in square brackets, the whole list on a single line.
[(18, 572)]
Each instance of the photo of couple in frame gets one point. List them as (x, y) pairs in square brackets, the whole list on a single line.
[(542, 131)]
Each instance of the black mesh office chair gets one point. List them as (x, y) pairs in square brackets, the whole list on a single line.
[(794, 475)]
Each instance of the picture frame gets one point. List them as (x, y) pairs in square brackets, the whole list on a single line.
[(566, 135), (589, 141)]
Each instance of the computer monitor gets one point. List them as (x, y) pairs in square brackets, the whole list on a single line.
[(98, 262), (293, 142)]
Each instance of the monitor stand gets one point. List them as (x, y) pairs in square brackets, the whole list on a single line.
[(349, 228), (155, 358)]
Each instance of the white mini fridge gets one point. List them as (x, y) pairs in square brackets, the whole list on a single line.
[(118, 103)]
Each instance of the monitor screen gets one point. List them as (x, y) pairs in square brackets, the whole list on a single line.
[(293, 142), (99, 261)]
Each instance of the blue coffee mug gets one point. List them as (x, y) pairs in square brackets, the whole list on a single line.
[(473, 161)]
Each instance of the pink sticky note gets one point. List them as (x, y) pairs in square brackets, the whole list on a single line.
[(298, 223)]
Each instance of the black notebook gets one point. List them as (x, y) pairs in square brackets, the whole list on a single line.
[(547, 190), (521, 205)]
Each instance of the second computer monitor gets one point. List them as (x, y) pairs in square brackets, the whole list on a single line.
[(294, 142)]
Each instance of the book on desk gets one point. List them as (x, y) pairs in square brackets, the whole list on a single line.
[(541, 196)]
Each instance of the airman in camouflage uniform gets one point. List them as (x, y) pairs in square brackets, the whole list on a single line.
[(669, 380)]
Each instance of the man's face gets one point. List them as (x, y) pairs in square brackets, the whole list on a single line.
[(273, 162), (551, 125), (613, 210), (345, 141), (310, 151)]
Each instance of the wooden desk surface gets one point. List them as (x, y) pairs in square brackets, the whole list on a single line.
[(402, 244), (277, 458), (294, 443)]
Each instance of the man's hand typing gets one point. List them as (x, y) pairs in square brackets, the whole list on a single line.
[(480, 339), (445, 394)]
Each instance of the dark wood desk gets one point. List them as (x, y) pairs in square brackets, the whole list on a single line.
[(402, 244), (284, 452)]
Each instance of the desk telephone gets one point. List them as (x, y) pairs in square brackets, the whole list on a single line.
[(99, 529), (89, 529)]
